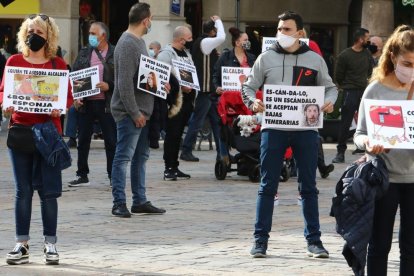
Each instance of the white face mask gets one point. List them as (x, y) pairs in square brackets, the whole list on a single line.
[(404, 74), (285, 41)]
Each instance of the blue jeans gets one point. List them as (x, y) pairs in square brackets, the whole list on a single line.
[(305, 149), (132, 145), (72, 123), (398, 195), (23, 174), (204, 106), (95, 109)]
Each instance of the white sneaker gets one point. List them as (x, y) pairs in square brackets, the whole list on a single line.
[(19, 254), (50, 254), (299, 200)]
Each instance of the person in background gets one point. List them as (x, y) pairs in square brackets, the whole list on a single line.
[(37, 41), (352, 71), (99, 53), (180, 107), (205, 55), (131, 108), (153, 49), (376, 48), (392, 79)]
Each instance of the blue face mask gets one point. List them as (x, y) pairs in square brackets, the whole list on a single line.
[(93, 41), (151, 53)]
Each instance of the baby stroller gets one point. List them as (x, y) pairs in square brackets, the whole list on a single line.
[(230, 107)]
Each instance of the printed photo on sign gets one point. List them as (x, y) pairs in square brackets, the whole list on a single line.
[(232, 78), (270, 41), (390, 123), (297, 107), (153, 75), (84, 82), (35, 90), (186, 74)]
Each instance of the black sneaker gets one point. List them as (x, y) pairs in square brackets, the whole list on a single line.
[(181, 175), (259, 249), (188, 156), (147, 208), (170, 174), (80, 181), (326, 170), (339, 158), (120, 210), (19, 255), (51, 257), (316, 250)]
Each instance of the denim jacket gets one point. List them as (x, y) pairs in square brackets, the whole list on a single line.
[(51, 145)]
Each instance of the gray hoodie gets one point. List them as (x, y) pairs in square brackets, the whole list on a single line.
[(278, 67), (127, 99)]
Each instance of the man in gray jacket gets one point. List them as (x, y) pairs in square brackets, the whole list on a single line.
[(182, 107), (131, 108), (288, 62)]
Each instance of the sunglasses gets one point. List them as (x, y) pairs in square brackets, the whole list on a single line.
[(43, 16)]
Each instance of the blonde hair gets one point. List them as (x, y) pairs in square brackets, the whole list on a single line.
[(400, 42), (48, 26)]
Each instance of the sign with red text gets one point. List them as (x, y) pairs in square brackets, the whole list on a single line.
[(297, 107)]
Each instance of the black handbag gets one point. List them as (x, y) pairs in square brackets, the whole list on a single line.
[(20, 138)]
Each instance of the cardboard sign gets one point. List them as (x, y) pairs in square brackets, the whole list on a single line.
[(232, 78), (390, 123), (186, 74), (297, 107), (35, 90), (153, 75), (269, 41), (84, 82)]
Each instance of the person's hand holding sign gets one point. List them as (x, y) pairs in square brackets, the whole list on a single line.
[(55, 113), (104, 86), (374, 149), (219, 90), (327, 107), (258, 106), (167, 87), (8, 111), (186, 89)]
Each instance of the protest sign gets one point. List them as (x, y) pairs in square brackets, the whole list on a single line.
[(35, 90), (153, 75), (232, 78), (186, 74), (296, 107), (84, 82), (269, 41), (390, 123)]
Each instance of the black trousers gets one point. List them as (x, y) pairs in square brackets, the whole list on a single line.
[(401, 195), (174, 131), (352, 99)]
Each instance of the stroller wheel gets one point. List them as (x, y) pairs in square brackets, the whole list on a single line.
[(285, 174), (254, 174), (220, 170)]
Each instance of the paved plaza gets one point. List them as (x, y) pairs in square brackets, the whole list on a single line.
[(207, 229)]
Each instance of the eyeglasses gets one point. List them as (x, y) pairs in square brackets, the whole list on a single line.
[(43, 16)]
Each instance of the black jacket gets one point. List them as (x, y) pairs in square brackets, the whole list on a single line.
[(353, 207), (83, 60), (228, 58)]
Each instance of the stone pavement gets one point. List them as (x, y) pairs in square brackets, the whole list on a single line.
[(207, 229)]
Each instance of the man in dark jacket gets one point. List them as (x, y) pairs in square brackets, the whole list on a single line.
[(96, 107)]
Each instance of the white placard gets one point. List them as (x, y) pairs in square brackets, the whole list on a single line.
[(295, 107), (84, 82), (232, 78), (35, 90), (186, 74), (153, 75), (390, 123), (269, 41)]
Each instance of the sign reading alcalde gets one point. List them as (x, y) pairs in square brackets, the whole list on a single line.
[(232, 78), (297, 107)]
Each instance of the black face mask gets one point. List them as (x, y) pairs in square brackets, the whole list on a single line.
[(35, 42), (188, 45), (373, 48), (366, 45)]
